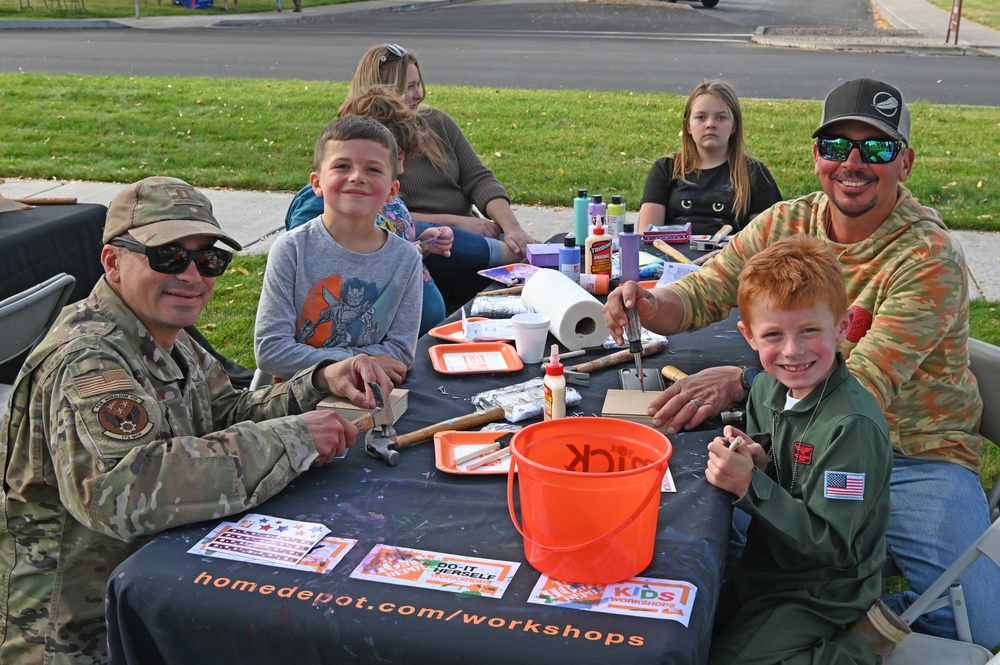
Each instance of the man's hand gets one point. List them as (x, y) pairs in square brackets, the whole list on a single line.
[(625, 297), (332, 433), (696, 398), (349, 378)]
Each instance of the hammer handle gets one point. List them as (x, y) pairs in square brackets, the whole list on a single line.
[(364, 423), (509, 291), (672, 373), (721, 234), (459, 423), (618, 357), (670, 251)]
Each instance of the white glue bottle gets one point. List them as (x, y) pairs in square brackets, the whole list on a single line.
[(554, 386)]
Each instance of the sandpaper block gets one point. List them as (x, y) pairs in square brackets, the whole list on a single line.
[(629, 405), (397, 400)]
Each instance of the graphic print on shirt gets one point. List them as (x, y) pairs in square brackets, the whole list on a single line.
[(702, 203), (341, 312)]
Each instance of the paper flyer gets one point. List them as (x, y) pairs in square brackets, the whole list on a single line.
[(434, 570), (637, 596), (490, 361), (668, 482)]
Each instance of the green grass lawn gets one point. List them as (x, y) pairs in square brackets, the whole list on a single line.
[(542, 144), (984, 12)]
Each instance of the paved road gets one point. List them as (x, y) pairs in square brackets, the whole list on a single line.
[(518, 44)]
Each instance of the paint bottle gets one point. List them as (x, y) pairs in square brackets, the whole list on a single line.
[(598, 285), (569, 258), (597, 211), (628, 241), (580, 204), (616, 219), (597, 251), (554, 386)]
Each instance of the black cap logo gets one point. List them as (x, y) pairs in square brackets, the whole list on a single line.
[(886, 104)]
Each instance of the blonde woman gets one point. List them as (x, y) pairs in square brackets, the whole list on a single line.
[(443, 192)]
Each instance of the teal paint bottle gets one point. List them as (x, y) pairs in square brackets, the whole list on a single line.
[(580, 218)]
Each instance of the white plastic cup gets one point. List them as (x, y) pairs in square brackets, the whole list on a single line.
[(530, 332)]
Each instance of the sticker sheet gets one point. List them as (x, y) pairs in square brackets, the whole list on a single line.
[(263, 539), (323, 558)]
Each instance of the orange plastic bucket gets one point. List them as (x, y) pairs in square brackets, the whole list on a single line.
[(590, 496)]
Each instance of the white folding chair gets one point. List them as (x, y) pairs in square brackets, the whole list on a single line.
[(915, 648), (27, 316), (984, 362)]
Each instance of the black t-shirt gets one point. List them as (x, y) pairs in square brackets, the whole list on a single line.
[(707, 201)]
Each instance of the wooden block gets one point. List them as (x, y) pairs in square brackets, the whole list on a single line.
[(398, 401), (629, 405)]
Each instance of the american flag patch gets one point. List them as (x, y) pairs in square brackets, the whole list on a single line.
[(844, 485), (97, 384)]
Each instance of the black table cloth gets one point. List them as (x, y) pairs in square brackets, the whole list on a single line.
[(44, 241), (167, 606)]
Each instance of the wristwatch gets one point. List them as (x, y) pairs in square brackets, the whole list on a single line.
[(747, 378)]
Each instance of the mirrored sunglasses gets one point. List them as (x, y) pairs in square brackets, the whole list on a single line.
[(871, 151), (174, 259), (392, 52)]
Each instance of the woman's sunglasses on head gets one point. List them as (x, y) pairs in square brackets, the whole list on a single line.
[(871, 151), (174, 259), (392, 52)]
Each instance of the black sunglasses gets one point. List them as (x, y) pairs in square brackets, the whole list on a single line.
[(872, 151), (392, 52), (174, 259)]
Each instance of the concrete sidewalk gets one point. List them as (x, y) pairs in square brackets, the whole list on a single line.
[(256, 218)]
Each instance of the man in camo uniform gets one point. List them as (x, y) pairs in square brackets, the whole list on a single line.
[(907, 345), (120, 426)]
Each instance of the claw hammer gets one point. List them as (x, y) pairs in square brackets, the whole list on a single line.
[(382, 442)]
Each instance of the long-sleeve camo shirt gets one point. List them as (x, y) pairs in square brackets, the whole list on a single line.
[(908, 342), (111, 438)]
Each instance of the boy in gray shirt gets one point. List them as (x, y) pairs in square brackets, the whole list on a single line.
[(339, 285)]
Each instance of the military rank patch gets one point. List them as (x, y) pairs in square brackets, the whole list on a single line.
[(95, 384), (122, 416)]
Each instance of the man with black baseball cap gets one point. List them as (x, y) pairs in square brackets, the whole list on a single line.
[(121, 426), (907, 345)]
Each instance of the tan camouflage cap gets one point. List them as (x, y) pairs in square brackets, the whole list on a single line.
[(160, 210)]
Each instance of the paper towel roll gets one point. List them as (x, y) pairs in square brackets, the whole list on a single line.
[(576, 315)]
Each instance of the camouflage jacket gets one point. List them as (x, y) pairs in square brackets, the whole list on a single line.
[(908, 341), (111, 438)]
